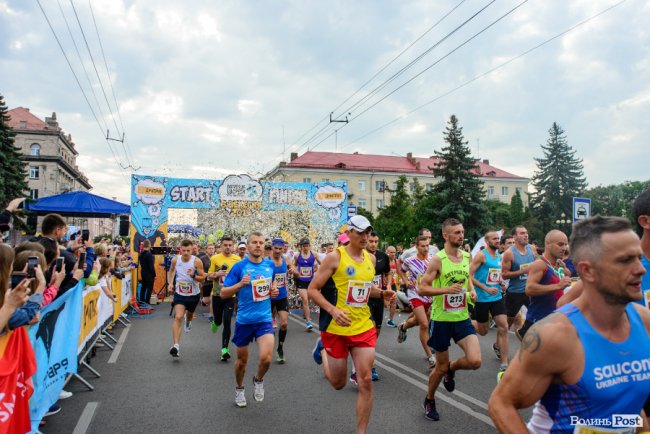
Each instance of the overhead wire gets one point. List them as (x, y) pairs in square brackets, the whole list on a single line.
[(484, 74)]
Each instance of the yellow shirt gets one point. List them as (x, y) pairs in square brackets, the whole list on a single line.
[(353, 281), (216, 262)]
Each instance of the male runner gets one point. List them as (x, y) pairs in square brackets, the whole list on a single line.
[(514, 267), (392, 261), (587, 361), (189, 273), (206, 287), (252, 280), (305, 266), (376, 305), (241, 250), (485, 270), (447, 279), (222, 308), (421, 304), (412, 251), (342, 287), (279, 303), (547, 278)]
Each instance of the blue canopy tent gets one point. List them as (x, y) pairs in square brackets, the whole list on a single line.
[(78, 204)]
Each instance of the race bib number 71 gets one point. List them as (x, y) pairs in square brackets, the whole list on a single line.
[(358, 293)]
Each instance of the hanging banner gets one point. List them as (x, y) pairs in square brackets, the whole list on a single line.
[(56, 353), (121, 288)]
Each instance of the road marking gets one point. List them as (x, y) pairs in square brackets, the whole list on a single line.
[(85, 418), (119, 345), (448, 399)]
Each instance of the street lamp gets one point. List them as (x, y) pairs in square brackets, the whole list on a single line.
[(562, 220)]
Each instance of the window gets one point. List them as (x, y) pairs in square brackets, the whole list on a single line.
[(380, 185), (33, 194), (33, 172), (307, 180), (362, 185), (504, 191), (362, 203), (326, 180), (429, 187), (490, 190), (35, 150), (380, 203)]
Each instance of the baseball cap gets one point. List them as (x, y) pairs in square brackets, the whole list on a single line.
[(241, 244), (277, 242), (303, 242), (359, 223), (343, 238)]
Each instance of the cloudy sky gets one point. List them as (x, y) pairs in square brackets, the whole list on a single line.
[(208, 88)]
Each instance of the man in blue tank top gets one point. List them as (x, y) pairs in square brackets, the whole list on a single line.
[(547, 279), (304, 269), (485, 270), (514, 266), (280, 303), (586, 367)]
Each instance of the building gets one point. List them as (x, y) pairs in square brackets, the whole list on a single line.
[(371, 178), (51, 162)]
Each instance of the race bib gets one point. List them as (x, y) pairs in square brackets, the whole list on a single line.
[(377, 281), (184, 288), (455, 302), (417, 280), (261, 289), (523, 267), (358, 293), (305, 271), (493, 276), (281, 279)]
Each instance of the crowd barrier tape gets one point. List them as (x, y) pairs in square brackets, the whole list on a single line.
[(56, 354)]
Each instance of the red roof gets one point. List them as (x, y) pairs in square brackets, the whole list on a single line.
[(383, 163), (21, 114)]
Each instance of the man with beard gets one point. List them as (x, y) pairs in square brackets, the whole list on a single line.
[(587, 361)]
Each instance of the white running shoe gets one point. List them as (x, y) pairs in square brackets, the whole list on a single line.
[(259, 390), (187, 326), (64, 394), (432, 361), (240, 397)]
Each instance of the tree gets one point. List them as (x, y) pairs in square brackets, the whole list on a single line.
[(460, 191), (395, 221), (615, 200), (499, 213), (12, 166), (516, 209), (558, 179), (367, 214)]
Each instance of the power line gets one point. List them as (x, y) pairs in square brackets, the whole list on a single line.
[(79, 84), (488, 72)]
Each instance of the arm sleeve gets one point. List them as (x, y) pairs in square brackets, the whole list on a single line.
[(22, 316), (49, 294)]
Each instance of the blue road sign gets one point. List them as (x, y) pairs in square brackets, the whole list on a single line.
[(581, 208)]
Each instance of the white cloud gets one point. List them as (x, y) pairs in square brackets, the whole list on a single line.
[(248, 107)]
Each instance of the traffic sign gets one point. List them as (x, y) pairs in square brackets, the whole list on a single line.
[(352, 210), (581, 208)]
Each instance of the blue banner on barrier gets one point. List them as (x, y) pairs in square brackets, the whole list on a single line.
[(55, 340)]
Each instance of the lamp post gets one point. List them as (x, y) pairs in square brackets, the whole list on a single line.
[(562, 220)]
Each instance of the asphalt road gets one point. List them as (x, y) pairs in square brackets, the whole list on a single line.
[(142, 389)]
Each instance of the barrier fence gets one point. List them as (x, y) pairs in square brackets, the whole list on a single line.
[(84, 312)]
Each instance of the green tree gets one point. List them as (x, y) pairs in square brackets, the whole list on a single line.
[(499, 213), (460, 191), (394, 223), (516, 209), (367, 214), (12, 166), (559, 177), (417, 191), (615, 200)]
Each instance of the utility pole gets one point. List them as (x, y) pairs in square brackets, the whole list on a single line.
[(336, 132)]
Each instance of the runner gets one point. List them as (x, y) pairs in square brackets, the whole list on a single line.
[(252, 280), (305, 267), (449, 274), (412, 251), (421, 304), (588, 361), (341, 287), (279, 303), (241, 250), (485, 270), (222, 308), (188, 270), (392, 260), (206, 287), (514, 267), (547, 278)]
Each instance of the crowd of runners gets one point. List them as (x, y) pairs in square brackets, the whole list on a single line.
[(578, 305)]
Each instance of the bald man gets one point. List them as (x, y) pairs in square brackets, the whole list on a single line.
[(547, 278)]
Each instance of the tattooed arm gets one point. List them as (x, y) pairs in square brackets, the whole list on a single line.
[(549, 353)]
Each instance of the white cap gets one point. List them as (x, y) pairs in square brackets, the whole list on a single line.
[(359, 223)]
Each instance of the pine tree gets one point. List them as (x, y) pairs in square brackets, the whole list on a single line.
[(516, 209), (559, 178), (460, 190), (395, 221), (12, 166)]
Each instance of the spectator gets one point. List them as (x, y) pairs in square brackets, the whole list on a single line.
[(104, 278), (29, 312), (147, 272)]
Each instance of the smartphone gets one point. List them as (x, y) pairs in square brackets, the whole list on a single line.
[(32, 262), (59, 264), (16, 278), (82, 259), (85, 235)]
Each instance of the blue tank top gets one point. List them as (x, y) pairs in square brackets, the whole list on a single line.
[(280, 279), (645, 283), (489, 274), (519, 262), (542, 306), (306, 267), (615, 379)]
